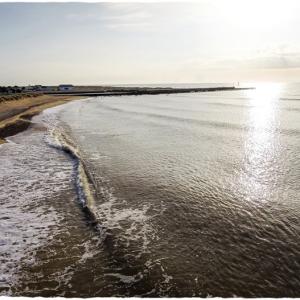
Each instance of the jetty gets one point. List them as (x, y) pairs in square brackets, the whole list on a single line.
[(135, 91)]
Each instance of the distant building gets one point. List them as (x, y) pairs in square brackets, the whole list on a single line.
[(38, 88), (65, 87), (33, 88), (28, 88)]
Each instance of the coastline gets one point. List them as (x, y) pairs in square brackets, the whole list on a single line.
[(137, 91), (15, 115)]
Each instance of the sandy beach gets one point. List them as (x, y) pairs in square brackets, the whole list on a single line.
[(15, 115)]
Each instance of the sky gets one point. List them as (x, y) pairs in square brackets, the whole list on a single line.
[(131, 43)]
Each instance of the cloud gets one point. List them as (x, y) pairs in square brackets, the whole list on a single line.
[(115, 16), (281, 61), (284, 61)]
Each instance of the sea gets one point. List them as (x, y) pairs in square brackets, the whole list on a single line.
[(175, 195)]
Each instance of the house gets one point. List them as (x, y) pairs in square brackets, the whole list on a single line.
[(65, 87)]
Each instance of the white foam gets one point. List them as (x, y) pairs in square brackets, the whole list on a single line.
[(32, 175), (125, 278)]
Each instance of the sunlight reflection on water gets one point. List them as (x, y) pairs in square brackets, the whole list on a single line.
[(261, 146)]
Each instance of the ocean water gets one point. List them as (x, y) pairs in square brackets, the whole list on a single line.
[(167, 195)]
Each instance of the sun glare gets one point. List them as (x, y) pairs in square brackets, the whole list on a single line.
[(264, 93), (261, 143)]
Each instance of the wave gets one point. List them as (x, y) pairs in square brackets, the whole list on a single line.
[(178, 119), (103, 210), (84, 181), (204, 123)]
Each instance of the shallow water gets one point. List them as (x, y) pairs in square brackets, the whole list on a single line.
[(167, 195)]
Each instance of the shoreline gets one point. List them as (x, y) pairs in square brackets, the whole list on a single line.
[(15, 115)]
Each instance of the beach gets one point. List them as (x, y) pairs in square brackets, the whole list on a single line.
[(15, 114), (189, 194), (150, 149)]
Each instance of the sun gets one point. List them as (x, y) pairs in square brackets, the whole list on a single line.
[(264, 94)]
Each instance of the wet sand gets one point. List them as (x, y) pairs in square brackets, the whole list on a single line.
[(15, 115)]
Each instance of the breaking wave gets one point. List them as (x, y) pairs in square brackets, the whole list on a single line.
[(85, 184)]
